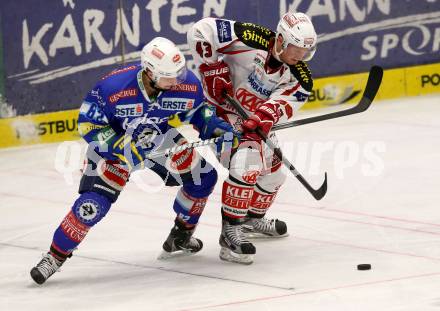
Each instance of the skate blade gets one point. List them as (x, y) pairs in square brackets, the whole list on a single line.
[(257, 235), (227, 255), (167, 255)]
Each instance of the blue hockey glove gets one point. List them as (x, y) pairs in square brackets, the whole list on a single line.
[(128, 152), (210, 126), (130, 147)]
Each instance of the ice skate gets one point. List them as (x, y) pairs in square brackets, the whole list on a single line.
[(180, 242), (234, 247), (257, 228), (45, 268)]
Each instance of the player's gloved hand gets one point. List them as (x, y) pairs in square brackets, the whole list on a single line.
[(210, 126), (128, 152), (130, 148), (266, 115), (133, 147), (217, 80)]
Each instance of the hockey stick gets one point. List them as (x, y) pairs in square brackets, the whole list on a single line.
[(319, 193), (169, 151), (373, 84)]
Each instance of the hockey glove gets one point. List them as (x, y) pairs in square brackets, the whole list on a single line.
[(210, 126), (217, 80), (130, 148), (266, 115), (128, 152)]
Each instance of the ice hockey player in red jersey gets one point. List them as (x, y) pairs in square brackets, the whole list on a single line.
[(266, 73)]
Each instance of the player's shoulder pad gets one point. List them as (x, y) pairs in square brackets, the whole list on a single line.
[(119, 79), (302, 73), (253, 35), (120, 74), (191, 77)]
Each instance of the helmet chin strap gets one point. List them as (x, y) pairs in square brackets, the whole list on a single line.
[(277, 54), (153, 84)]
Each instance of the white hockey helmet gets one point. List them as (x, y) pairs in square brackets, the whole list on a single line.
[(297, 29), (164, 59)]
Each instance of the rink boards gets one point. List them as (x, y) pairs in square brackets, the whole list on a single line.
[(338, 90)]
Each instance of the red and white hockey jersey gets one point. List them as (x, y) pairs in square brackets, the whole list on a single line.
[(245, 47)]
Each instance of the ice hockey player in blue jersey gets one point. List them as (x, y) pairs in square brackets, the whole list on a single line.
[(130, 113)]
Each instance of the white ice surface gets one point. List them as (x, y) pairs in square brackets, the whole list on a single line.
[(391, 221)]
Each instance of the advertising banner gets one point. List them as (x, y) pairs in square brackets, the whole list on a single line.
[(330, 91), (55, 50)]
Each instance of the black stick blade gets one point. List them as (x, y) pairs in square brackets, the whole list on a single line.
[(318, 194), (373, 83)]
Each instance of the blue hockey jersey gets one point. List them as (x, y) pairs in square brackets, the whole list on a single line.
[(120, 98)]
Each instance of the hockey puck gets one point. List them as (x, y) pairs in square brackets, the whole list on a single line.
[(364, 266)]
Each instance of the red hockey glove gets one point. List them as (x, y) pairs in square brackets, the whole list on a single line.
[(217, 80), (265, 117)]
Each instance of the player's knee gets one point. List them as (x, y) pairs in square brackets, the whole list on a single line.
[(107, 181), (203, 186), (246, 166), (209, 179), (280, 178), (90, 208), (272, 182)]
